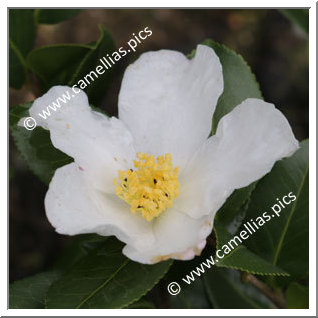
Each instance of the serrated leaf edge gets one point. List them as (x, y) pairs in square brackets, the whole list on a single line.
[(241, 268), (127, 261), (240, 57)]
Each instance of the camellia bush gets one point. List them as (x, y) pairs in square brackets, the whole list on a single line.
[(194, 196)]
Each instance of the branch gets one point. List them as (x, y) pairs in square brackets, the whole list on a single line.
[(278, 300)]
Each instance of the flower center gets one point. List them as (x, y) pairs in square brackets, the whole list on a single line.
[(151, 187)]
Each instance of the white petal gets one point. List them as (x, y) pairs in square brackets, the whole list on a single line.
[(167, 101), (100, 145), (247, 144), (73, 207), (177, 236)]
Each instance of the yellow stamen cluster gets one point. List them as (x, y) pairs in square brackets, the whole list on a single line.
[(149, 188)]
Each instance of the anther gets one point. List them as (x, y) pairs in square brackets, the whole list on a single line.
[(145, 188)]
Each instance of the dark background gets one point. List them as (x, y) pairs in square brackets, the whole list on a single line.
[(276, 51)]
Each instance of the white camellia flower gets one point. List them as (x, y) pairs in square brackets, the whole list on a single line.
[(153, 177)]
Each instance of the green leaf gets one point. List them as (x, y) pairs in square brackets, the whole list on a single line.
[(66, 59), (79, 247), (72, 62), (297, 296), (29, 292), (251, 258), (21, 41), (35, 146), (283, 240), (97, 88), (22, 29), (105, 278), (240, 257), (17, 69), (227, 221), (239, 81), (225, 291), (231, 214), (53, 16), (191, 297), (299, 17), (141, 304)]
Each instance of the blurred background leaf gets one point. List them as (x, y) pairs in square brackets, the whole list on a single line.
[(52, 16), (17, 67), (97, 89), (22, 29), (67, 57), (21, 41), (191, 297), (226, 291), (71, 63), (299, 17), (297, 296)]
